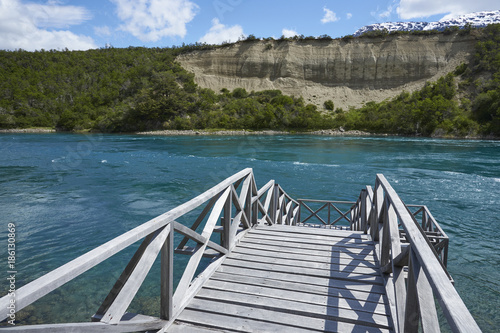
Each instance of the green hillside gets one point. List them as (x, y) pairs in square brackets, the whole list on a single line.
[(136, 89)]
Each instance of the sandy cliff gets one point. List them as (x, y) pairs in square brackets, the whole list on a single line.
[(349, 73)]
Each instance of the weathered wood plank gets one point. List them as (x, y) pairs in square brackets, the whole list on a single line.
[(313, 280), (331, 266), (300, 240), (314, 231), (331, 299), (344, 260), (129, 323), (306, 230), (222, 322), (327, 239), (279, 319), (304, 271), (331, 310), (189, 328), (282, 248), (349, 291), (307, 247)]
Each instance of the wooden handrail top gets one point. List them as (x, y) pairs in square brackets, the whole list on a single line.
[(453, 306), (327, 201), (409, 258), (38, 288)]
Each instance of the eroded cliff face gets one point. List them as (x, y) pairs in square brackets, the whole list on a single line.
[(349, 73)]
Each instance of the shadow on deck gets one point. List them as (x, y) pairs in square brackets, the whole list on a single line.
[(293, 279)]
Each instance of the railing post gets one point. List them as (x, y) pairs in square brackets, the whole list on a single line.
[(378, 200), (226, 223), (299, 212), (274, 204), (329, 214), (369, 207), (248, 203), (167, 276), (255, 212), (412, 313), (361, 225)]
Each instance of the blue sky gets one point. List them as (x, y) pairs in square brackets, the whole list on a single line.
[(85, 24)]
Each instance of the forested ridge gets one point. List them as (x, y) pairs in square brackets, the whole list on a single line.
[(137, 89)]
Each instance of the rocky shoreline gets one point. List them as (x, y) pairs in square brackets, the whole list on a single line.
[(337, 132), (28, 130), (329, 132), (210, 132)]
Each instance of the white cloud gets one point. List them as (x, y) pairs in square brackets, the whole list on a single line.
[(57, 16), (151, 20), (385, 14), (102, 31), (349, 16), (289, 33), (410, 9), (22, 26), (330, 16), (219, 33)]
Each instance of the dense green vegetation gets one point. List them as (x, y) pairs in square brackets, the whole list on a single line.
[(432, 110), (135, 89), (78, 90), (466, 102)]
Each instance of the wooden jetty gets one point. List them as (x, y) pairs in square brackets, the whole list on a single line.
[(276, 265)]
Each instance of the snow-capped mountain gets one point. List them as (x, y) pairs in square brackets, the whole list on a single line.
[(479, 19)]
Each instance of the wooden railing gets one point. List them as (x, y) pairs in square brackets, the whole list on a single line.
[(230, 209), (415, 277), (285, 209), (332, 214), (435, 234)]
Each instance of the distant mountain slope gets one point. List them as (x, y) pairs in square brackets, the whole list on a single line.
[(478, 20), (350, 72)]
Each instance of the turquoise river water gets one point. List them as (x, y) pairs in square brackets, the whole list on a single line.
[(67, 194)]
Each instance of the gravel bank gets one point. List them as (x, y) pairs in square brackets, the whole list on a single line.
[(28, 130), (336, 132)]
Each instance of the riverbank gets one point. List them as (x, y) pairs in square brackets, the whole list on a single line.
[(245, 132), (221, 132), (28, 130)]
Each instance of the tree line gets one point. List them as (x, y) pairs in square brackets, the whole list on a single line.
[(136, 89)]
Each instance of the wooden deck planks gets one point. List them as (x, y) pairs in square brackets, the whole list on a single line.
[(293, 279), (348, 290), (298, 296), (334, 265), (367, 256)]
